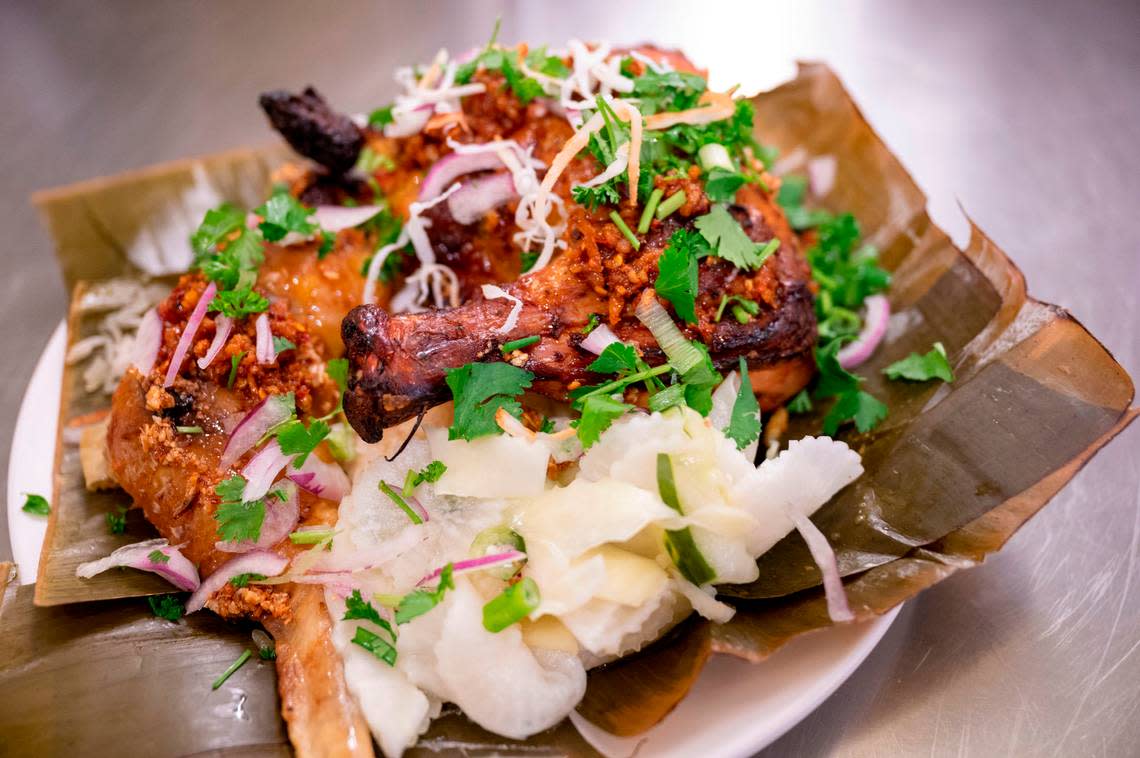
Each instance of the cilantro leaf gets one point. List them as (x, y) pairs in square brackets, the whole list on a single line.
[(337, 369), (727, 239), (37, 505), (429, 473), (605, 193), (167, 607), (616, 358), (677, 273), (243, 580), (858, 406), (217, 224), (298, 440), (421, 601), (281, 344), (284, 213), (591, 323), (551, 65), (381, 116), (801, 403), (157, 556), (722, 184), (479, 390), (598, 412), (744, 423), (239, 302), (238, 521), (667, 91), (356, 607), (834, 380), (116, 520), (922, 368)]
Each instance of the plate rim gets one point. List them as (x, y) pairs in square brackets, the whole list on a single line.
[(30, 468)]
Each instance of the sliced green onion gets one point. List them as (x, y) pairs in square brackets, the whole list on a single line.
[(610, 387), (189, 430), (670, 204), (625, 230), (311, 536), (493, 540), (375, 644), (741, 314), (515, 604), (245, 656), (680, 352), (679, 543), (402, 504), (519, 343), (720, 308), (234, 363), (714, 155), (650, 208), (772, 246), (667, 398)]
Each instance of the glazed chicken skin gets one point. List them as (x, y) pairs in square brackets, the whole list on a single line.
[(399, 362), (172, 476)]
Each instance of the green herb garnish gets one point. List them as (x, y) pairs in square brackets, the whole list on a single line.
[(237, 520), (519, 343), (626, 232), (157, 556), (419, 602), (167, 607), (513, 605), (480, 389), (429, 473), (245, 656), (922, 368), (727, 240), (670, 204), (242, 580), (36, 505), (744, 423), (116, 520), (677, 272), (376, 645), (402, 504)]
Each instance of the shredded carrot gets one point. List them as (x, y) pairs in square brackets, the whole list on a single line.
[(715, 106)]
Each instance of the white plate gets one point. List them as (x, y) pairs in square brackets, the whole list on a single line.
[(735, 708)]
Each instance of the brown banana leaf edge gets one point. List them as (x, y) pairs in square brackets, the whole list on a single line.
[(951, 474)]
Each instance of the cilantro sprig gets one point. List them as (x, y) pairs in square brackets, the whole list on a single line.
[(677, 272), (238, 520), (479, 390), (922, 368)]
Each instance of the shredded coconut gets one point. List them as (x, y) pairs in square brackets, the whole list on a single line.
[(491, 292), (109, 351)]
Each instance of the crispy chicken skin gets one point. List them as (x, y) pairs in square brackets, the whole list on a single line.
[(399, 362), (172, 476)]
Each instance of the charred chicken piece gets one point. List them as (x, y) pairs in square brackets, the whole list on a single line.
[(398, 363), (314, 129)]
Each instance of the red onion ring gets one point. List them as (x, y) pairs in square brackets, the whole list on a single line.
[(254, 562), (599, 339), (262, 470), (280, 518), (824, 556), (878, 314), (334, 218), (325, 480), (452, 166), (264, 346), (176, 569), (477, 564), (187, 338), (148, 339), (223, 325), (270, 412), (478, 196)]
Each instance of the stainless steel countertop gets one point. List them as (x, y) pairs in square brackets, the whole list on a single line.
[(1026, 113)]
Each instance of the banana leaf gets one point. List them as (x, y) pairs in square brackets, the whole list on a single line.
[(951, 474), (109, 678)]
